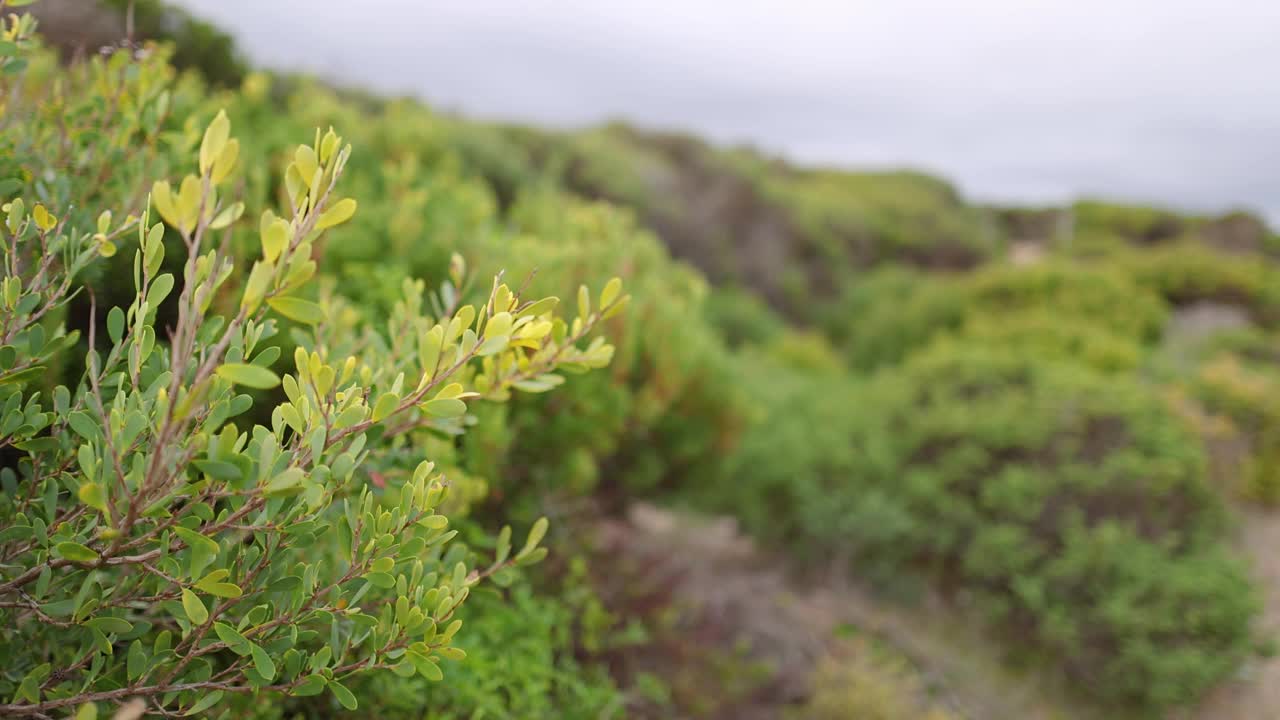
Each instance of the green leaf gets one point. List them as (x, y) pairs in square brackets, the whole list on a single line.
[(218, 470), (136, 662), (115, 324), (532, 558), (203, 549), (196, 541), (16, 532), (39, 445), (87, 711), (382, 580), (536, 533), (75, 552), (159, 290), (262, 662), (108, 624), (195, 609), (430, 671), (310, 685), (444, 407), (29, 688), (249, 375), (542, 383), (22, 376), (297, 309), (504, 545), (386, 403), (344, 696), (84, 425), (204, 703), (234, 640)]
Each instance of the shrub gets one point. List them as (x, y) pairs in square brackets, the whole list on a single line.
[(1130, 223), (741, 317), (153, 549), (1184, 273), (1059, 501), (520, 664), (887, 314), (797, 454), (667, 406), (1053, 338), (1107, 299), (1037, 487), (1096, 315)]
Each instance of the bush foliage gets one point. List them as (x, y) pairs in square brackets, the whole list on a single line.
[(156, 551)]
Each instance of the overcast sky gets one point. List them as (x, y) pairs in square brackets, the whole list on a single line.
[(1170, 101)]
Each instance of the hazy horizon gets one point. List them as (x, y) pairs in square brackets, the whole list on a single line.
[(1163, 103)]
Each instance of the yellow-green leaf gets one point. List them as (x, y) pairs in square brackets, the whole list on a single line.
[(43, 219), (221, 589), (305, 159), (536, 533), (162, 198), (297, 309), (227, 216), (91, 494), (610, 292), (338, 214), (275, 235), (499, 324), (226, 161), (189, 202), (541, 307), (444, 407), (254, 376), (286, 481), (196, 611), (215, 139), (255, 288)]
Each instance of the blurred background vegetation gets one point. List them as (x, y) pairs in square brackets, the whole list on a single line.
[(866, 450)]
